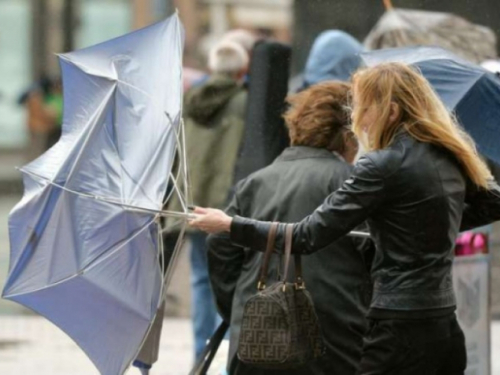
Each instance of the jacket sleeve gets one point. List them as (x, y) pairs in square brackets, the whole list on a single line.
[(225, 262), (482, 207), (341, 212)]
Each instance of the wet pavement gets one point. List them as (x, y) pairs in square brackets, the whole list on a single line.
[(33, 346)]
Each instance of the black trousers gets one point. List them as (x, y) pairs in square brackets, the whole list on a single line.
[(433, 346)]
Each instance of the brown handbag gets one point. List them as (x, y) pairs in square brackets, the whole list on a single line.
[(280, 328)]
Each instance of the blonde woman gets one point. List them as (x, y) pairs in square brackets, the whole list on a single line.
[(419, 185)]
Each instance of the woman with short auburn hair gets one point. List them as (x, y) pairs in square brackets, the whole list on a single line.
[(320, 117), (420, 184), (288, 190)]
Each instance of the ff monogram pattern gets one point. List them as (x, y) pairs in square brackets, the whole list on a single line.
[(280, 328)]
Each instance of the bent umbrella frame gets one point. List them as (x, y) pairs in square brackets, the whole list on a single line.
[(86, 247)]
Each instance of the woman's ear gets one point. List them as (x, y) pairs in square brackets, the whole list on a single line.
[(394, 112), (351, 147)]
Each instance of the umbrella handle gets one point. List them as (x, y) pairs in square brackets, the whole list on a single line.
[(388, 4), (164, 213), (355, 233), (179, 215)]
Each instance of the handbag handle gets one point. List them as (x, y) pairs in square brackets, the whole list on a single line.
[(271, 237), (299, 281)]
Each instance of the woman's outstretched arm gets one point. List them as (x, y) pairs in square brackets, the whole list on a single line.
[(341, 212)]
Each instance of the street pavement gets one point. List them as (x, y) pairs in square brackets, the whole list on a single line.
[(33, 346)]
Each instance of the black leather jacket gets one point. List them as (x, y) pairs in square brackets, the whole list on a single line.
[(416, 199)]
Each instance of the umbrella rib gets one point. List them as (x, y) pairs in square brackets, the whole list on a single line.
[(181, 169), (93, 264), (77, 159), (84, 69), (151, 98), (78, 138), (110, 200), (163, 139), (76, 152)]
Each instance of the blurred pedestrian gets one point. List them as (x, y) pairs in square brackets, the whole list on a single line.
[(53, 101), (214, 123), (243, 37), (421, 183), (288, 190), (41, 117), (333, 56)]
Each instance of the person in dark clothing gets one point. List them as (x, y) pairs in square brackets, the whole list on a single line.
[(287, 190), (421, 183)]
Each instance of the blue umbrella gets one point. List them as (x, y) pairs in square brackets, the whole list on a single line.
[(470, 91), (85, 238)]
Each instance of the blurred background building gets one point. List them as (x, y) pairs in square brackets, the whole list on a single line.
[(33, 31)]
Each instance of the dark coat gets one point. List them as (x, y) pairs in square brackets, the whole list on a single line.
[(415, 198), (288, 190)]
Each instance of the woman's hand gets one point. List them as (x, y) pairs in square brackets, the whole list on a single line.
[(211, 220)]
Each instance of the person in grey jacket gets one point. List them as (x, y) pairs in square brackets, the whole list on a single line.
[(214, 113), (421, 183), (287, 190)]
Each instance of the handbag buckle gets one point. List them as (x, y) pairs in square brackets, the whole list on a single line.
[(300, 284), (261, 285)]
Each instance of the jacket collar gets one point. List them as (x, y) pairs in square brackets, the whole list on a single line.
[(304, 152)]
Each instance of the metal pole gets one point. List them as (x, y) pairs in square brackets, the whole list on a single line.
[(218, 18), (141, 13), (39, 25), (68, 25)]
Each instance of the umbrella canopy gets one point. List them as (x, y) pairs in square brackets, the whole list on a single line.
[(470, 91), (85, 236), (406, 27)]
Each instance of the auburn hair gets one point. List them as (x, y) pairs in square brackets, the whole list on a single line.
[(319, 116), (422, 115)]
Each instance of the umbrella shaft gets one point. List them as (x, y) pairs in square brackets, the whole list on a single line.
[(355, 233), (176, 214), (188, 216)]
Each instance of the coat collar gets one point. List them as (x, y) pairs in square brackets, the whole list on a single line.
[(304, 152)]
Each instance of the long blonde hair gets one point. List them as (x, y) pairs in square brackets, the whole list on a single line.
[(422, 115)]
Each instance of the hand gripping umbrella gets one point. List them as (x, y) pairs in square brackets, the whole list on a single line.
[(85, 238), (470, 91)]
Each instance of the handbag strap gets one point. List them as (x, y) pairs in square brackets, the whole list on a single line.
[(299, 281), (271, 237)]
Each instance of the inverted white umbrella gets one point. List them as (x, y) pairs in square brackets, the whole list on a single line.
[(86, 236)]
